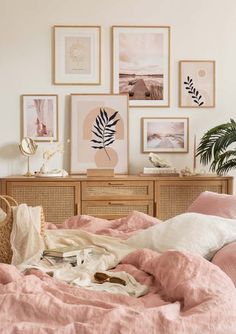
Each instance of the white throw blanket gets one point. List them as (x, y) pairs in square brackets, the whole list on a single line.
[(105, 252)]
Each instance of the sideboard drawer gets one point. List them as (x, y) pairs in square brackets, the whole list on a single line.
[(113, 190), (115, 209)]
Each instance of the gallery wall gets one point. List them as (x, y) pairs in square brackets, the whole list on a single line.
[(202, 30)]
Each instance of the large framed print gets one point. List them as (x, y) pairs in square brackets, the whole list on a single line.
[(165, 134), (99, 132), (141, 64), (40, 117), (197, 83), (77, 55)]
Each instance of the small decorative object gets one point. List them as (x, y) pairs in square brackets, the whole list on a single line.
[(185, 172), (77, 55), (165, 134), (157, 161), (141, 64), (197, 84), (40, 117), (47, 155), (99, 132), (100, 172), (215, 147), (28, 148)]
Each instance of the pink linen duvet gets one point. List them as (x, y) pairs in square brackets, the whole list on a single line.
[(187, 295)]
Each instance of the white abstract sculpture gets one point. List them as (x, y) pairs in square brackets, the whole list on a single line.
[(157, 161)]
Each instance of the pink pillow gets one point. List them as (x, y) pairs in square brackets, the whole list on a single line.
[(214, 204), (225, 258)]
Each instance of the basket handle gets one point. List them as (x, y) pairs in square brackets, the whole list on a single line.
[(6, 199)]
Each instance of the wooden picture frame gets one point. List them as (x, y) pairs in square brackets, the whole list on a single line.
[(197, 84), (77, 55), (165, 134), (99, 132), (141, 64), (40, 117)]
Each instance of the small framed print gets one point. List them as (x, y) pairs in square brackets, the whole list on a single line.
[(99, 132), (40, 117), (77, 55), (141, 64), (165, 134), (197, 84)]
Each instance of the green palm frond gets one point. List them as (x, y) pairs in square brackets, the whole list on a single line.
[(214, 146)]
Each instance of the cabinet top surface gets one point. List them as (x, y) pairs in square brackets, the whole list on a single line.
[(116, 178)]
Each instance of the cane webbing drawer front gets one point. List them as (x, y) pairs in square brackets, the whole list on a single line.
[(57, 199), (115, 209), (117, 190), (174, 198), (113, 190)]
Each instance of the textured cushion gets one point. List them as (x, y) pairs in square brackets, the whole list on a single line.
[(225, 258), (194, 232), (210, 203)]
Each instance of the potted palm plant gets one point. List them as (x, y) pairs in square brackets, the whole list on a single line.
[(215, 148)]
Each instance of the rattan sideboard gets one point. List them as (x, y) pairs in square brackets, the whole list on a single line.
[(112, 197)]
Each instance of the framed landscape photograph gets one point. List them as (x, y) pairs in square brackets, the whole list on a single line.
[(40, 117), (77, 55), (165, 134), (141, 64), (197, 83), (99, 132)]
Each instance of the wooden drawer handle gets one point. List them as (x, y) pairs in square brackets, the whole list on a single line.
[(115, 184), (115, 204)]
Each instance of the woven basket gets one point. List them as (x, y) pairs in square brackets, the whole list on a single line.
[(6, 228)]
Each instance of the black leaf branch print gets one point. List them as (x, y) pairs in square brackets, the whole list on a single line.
[(104, 130), (196, 97)]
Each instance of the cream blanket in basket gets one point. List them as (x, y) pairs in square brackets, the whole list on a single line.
[(26, 242)]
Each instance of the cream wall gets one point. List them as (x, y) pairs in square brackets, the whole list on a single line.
[(203, 29)]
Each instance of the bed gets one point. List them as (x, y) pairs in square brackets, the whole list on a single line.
[(177, 280)]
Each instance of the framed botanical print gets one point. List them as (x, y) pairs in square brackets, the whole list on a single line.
[(40, 117), (77, 55), (197, 83), (141, 64), (99, 132), (165, 134)]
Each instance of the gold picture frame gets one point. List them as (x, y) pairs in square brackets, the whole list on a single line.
[(99, 133), (76, 55), (40, 117), (165, 134), (141, 64), (197, 84)]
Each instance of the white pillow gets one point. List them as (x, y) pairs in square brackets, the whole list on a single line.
[(194, 232)]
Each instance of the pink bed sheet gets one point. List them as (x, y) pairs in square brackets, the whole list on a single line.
[(187, 295)]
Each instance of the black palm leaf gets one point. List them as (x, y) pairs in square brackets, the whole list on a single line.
[(104, 130), (214, 146)]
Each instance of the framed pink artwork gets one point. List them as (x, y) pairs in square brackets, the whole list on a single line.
[(165, 134), (40, 117), (99, 132), (141, 64)]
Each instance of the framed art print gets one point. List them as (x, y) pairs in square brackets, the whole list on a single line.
[(165, 134), (40, 117), (141, 64), (99, 132), (197, 83), (77, 55)]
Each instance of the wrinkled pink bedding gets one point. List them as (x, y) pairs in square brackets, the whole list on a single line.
[(121, 228), (187, 295)]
